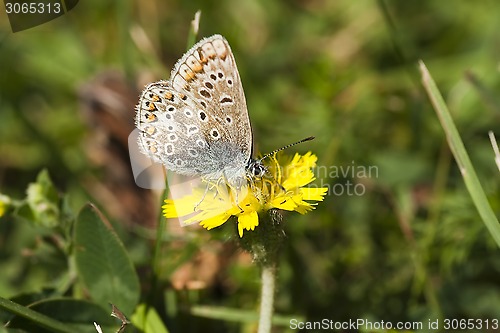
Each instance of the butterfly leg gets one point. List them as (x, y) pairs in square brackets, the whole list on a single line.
[(275, 180), (236, 197), (203, 196)]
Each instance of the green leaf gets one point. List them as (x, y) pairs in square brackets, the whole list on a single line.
[(461, 157), (103, 263), (77, 315), (147, 320)]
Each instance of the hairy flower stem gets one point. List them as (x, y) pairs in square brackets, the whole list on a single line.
[(264, 244), (267, 298)]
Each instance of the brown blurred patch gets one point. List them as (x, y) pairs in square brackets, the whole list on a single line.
[(107, 102)]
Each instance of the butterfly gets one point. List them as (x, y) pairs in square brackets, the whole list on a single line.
[(197, 123)]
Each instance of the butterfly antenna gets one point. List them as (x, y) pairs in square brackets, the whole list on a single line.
[(286, 147)]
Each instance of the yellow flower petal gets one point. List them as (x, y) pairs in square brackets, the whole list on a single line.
[(304, 207), (283, 202), (247, 221), (312, 193), (215, 221), (298, 172), (179, 207)]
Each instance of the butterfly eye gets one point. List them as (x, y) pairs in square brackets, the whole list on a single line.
[(229, 82), (171, 109), (213, 77), (229, 120), (209, 85)]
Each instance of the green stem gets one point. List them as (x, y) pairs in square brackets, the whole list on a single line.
[(267, 298), (36, 317), (160, 231), (264, 244), (156, 260)]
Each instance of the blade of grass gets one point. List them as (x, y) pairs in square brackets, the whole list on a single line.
[(238, 315), (461, 157), (36, 317), (495, 148), (193, 31)]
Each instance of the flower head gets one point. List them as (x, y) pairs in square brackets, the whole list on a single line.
[(282, 188)]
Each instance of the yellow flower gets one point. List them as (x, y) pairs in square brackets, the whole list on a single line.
[(4, 204), (282, 188)]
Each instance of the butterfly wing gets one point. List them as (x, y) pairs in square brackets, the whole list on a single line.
[(197, 123), (161, 115), (208, 74)]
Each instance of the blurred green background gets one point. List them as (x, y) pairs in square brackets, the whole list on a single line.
[(410, 248)]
